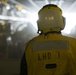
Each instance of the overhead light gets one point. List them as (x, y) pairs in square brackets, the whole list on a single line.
[(19, 7), (3, 1), (9, 38), (23, 11), (7, 7), (3, 23)]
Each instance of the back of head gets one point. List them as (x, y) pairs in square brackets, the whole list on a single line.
[(50, 19)]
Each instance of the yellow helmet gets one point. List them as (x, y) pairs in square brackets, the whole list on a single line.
[(50, 19)]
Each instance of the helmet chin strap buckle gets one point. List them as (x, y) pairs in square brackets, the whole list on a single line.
[(52, 30)]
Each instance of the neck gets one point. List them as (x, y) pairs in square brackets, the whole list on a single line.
[(51, 32)]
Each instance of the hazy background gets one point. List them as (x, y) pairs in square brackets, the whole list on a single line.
[(18, 25)]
